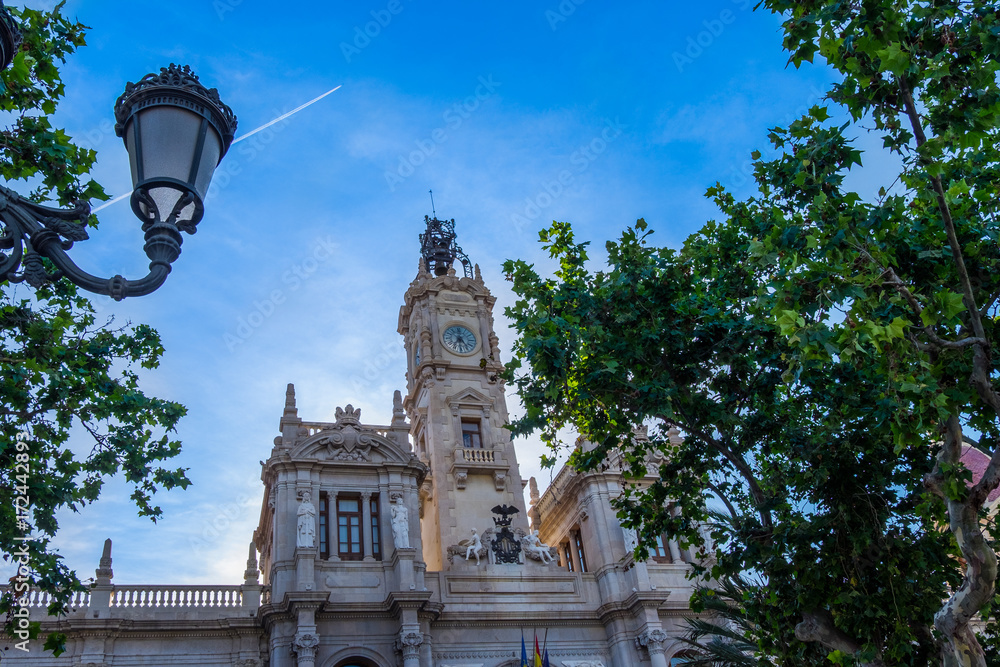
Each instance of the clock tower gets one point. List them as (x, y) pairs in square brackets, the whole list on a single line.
[(455, 399)]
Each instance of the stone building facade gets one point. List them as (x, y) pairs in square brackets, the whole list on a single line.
[(409, 543)]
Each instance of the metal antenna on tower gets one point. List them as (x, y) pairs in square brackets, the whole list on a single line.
[(433, 212)]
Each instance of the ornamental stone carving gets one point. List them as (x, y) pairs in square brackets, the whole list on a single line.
[(304, 646), (499, 480), (535, 550), (247, 662), (631, 539), (347, 440), (473, 546), (582, 663), (306, 533), (400, 523), (652, 641), (409, 644)]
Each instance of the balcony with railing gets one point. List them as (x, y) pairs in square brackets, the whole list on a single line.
[(177, 597), (475, 456), (154, 601), (479, 461)]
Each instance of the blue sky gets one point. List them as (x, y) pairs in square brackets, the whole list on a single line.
[(310, 234)]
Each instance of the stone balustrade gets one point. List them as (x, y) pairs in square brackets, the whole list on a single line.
[(477, 455), (176, 596), (154, 597), (42, 599), (315, 427)]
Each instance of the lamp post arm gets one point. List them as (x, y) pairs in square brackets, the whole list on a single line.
[(32, 231)]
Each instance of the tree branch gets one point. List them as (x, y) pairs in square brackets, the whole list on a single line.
[(740, 465), (818, 626), (949, 223), (976, 591), (893, 280)]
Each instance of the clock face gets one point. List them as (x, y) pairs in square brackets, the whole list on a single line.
[(459, 339)]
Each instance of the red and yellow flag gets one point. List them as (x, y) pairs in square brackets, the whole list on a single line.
[(538, 654)]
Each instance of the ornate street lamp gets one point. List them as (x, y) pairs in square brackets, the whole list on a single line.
[(175, 131), (10, 38)]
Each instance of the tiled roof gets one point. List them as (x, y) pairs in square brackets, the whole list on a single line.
[(976, 461)]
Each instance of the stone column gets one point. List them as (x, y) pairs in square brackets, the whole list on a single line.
[(484, 330), (675, 551), (304, 647), (366, 524), (435, 327), (332, 527), (409, 645), (385, 524), (652, 641), (574, 552)]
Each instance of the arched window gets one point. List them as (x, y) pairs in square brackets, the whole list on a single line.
[(681, 658), (356, 662)]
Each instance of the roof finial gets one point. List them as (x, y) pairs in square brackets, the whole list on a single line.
[(433, 212), (104, 573), (438, 247)]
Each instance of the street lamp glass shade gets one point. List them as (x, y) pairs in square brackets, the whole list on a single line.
[(176, 132)]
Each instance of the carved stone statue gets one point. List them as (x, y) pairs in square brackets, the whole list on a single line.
[(473, 545), (631, 539), (534, 549), (306, 536), (400, 524)]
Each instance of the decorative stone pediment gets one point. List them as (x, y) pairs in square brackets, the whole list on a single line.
[(350, 441), (470, 397)]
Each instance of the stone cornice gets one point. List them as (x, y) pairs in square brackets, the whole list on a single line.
[(397, 601), (423, 286), (154, 628), (517, 619)]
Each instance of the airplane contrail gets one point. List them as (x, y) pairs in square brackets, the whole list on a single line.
[(284, 116), (236, 140)]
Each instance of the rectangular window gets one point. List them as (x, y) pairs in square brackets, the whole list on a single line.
[(661, 551), (567, 556), (349, 527), (579, 550), (324, 524), (376, 538), (470, 434)]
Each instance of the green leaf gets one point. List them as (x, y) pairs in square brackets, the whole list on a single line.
[(893, 59)]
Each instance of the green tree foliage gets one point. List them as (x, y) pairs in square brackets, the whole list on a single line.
[(72, 414), (825, 356)]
